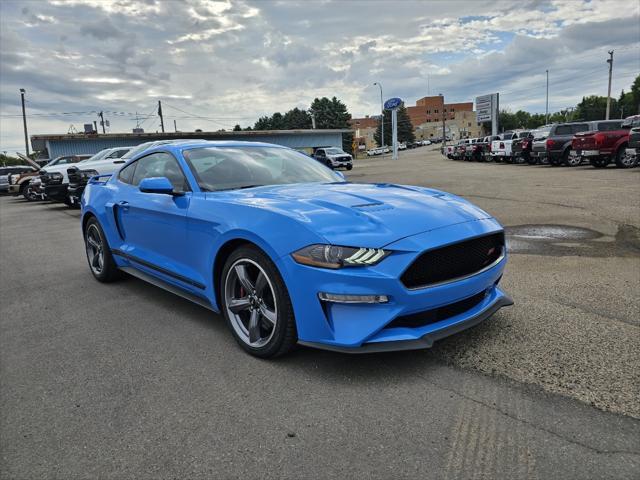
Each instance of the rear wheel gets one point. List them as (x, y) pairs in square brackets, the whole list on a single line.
[(101, 262), (571, 160), (625, 161), (256, 304), (599, 162)]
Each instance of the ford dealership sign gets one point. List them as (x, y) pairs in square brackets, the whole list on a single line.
[(392, 103)]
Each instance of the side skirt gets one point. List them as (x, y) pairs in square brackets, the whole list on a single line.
[(168, 287)]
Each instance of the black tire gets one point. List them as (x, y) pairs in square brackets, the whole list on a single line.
[(599, 162), (284, 334), (622, 161), (23, 190), (328, 164), (109, 272), (531, 160), (28, 195), (349, 167)]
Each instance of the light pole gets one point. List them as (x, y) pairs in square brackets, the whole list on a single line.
[(24, 122), (546, 114), (382, 112)]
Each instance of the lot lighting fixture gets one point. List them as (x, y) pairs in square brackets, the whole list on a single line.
[(382, 113)]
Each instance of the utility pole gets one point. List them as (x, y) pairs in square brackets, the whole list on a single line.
[(444, 134), (160, 115), (313, 119), (382, 112), (95, 126), (610, 62), (546, 111), (102, 122), (24, 122), (175, 126)]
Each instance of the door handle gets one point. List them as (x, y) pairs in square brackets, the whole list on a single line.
[(124, 205), (119, 161)]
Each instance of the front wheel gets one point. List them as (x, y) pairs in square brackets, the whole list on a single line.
[(625, 161), (571, 160), (349, 167), (29, 194), (256, 304), (101, 262)]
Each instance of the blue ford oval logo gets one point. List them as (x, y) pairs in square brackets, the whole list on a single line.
[(392, 103)]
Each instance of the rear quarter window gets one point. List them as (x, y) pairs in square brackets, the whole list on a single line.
[(126, 174), (563, 130), (580, 127), (609, 126)]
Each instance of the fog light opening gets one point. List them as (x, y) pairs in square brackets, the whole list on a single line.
[(339, 298)]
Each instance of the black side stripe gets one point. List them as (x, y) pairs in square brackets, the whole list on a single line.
[(164, 271)]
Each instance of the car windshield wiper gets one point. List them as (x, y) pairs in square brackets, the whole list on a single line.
[(235, 188), (249, 186)]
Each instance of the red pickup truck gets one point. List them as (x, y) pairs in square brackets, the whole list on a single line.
[(600, 147)]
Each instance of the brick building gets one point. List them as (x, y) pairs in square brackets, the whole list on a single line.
[(364, 129), (431, 109)]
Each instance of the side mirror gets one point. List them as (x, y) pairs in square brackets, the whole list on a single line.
[(156, 185)]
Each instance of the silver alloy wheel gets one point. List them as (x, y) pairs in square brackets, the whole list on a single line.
[(627, 160), (95, 249), (250, 302)]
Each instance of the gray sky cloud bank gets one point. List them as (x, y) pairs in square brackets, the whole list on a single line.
[(218, 63)]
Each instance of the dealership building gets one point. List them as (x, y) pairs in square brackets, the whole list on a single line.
[(78, 144)]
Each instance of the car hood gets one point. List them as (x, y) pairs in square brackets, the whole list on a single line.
[(363, 215)]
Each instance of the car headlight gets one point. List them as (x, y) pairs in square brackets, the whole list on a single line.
[(87, 174), (56, 176), (332, 256)]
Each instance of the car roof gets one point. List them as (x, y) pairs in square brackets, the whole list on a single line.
[(189, 145)]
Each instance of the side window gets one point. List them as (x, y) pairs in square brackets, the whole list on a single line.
[(580, 127), (563, 130), (160, 165), (609, 126), (126, 174)]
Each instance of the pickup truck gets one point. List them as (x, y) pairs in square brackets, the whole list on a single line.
[(50, 184), (609, 142), (633, 149), (538, 145), (80, 174), (461, 149), (501, 148), (333, 157), (521, 148), (557, 147)]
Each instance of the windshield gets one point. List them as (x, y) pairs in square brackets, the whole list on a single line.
[(98, 156), (334, 151), (542, 132), (228, 168)]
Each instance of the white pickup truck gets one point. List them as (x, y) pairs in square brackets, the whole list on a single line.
[(501, 148)]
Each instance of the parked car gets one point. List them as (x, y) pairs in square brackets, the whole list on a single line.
[(448, 151), (538, 145), (402, 146), (19, 182), (288, 252), (600, 147), (521, 147), (333, 157), (80, 174), (51, 184), (6, 172), (461, 149), (501, 148), (633, 149), (480, 149), (557, 145)]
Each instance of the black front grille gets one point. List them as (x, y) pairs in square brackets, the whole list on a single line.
[(454, 261), (75, 177), (437, 314)]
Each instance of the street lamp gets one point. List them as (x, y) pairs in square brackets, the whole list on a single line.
[(382, 112), (24, 122)]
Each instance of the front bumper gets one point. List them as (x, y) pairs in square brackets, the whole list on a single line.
[(14, 189), (74, 194), (56, 192), (366, 327)]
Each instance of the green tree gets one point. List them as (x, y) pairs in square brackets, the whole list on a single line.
[(237, 128), (263, 123), (296, 119), (332, 113), (594, 107), (405, 128)]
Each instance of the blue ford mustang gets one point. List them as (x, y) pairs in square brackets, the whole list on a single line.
[(289, 252)]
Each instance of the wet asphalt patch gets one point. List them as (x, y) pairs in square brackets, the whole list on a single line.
[(567, 240)]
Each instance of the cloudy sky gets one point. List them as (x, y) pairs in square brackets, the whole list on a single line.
[(217, 63)]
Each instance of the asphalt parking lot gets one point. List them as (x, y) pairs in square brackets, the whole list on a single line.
[(128, 381)]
